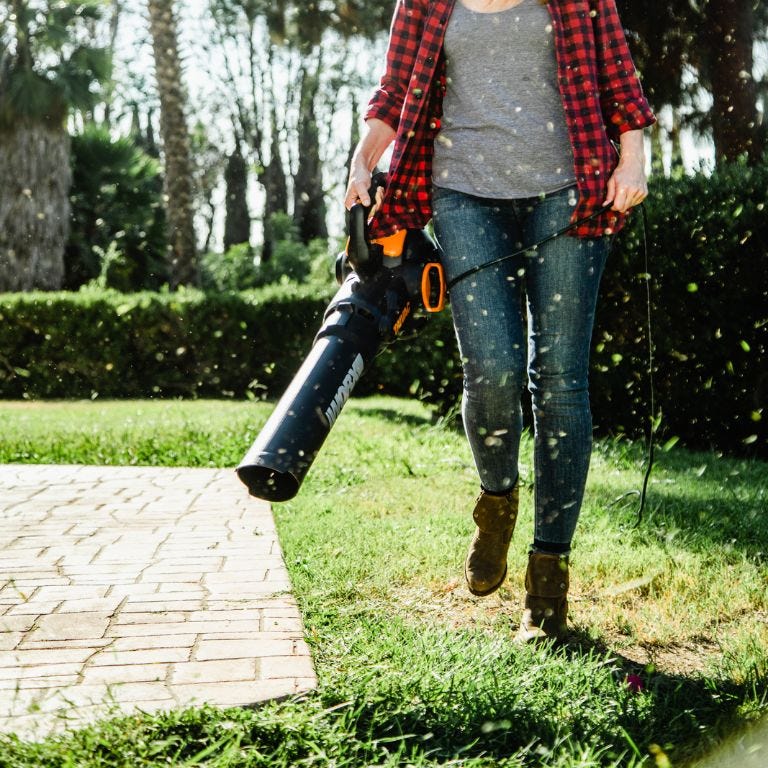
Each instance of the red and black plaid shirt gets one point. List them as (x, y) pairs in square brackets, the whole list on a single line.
[(601, 93)]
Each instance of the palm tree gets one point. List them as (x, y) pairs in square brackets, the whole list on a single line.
[(179, 191), (47, 68)]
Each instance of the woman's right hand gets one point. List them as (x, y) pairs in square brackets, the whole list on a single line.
[(358, 185), (377, 136)]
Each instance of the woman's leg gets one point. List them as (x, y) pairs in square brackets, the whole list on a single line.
[(562, 282), (487, 317), (486, 309)]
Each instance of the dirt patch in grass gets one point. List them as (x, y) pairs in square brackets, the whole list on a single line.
[(686, 659), (451, 605)]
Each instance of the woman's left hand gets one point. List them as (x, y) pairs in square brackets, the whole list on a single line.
[(628, 185)]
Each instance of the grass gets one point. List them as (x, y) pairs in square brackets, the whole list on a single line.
[(412, 669)]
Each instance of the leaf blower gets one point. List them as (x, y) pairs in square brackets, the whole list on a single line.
[(384, 284)]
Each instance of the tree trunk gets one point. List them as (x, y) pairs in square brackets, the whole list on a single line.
[(237, 221), (354, 133), (657, 150), (108, 89), (272, 178), (175, 136), (309, 201), (730, 32), (34, 206)]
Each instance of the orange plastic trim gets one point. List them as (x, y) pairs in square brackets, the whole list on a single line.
[(392, 245), (435, 269)]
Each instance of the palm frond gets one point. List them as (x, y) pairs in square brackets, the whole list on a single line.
[(60, 69), (29, 96)]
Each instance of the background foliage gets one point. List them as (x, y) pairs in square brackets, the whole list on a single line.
[(708, 262)]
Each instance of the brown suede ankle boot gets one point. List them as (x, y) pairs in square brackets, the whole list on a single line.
[(546, 601), (486, 565)]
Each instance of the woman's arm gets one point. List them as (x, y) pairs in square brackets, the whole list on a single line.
[(404, 39), (625, 109), (622, 101), (383, 113)]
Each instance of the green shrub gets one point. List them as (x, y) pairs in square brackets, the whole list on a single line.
[(234, 270), (117, 209), (708, 261), (291, 261)]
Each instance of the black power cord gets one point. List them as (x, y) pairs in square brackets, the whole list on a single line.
[(532, 247), (651, 388)]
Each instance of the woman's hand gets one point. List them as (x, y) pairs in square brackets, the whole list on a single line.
[(359, 184), (377, 136), (628, 185)]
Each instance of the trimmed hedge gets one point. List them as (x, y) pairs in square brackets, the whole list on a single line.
[(113, 345), (708, 260), (190, 344)]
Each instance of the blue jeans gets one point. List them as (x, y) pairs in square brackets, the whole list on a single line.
[(559, 282)]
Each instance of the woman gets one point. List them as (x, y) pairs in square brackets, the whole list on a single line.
[(504, 115)]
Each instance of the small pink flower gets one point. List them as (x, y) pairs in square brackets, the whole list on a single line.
[(634, 683)]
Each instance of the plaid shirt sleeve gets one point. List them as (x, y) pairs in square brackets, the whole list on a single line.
[(409, 100), (621, 96), (404, 39)]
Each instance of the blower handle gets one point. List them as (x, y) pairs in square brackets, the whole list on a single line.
[(433, 289), (364, 256)]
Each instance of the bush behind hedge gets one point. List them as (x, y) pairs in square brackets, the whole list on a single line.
[(708, 261)]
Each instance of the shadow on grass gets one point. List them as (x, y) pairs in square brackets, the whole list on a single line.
[(721, 518), (396, 417), (700, 499), (538, 706), (689, 715)]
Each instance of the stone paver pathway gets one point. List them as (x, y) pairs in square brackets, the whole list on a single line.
[(137, 588)]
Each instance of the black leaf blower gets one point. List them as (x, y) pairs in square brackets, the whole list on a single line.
[(384, 284)]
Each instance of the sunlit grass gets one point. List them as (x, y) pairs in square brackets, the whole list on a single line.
[(412, 669)]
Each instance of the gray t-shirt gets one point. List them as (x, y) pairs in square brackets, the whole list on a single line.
[(503, 131)]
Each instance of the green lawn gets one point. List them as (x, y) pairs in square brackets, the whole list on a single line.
[(415, 671)]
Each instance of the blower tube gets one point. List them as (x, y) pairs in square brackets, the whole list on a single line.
[(354, 326)]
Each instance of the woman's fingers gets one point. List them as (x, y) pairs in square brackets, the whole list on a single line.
[(628, 197), (357, 189), (610, 192), (625, 192)]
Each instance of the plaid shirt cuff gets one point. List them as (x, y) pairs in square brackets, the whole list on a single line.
[(383, 106), (628, 116)]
